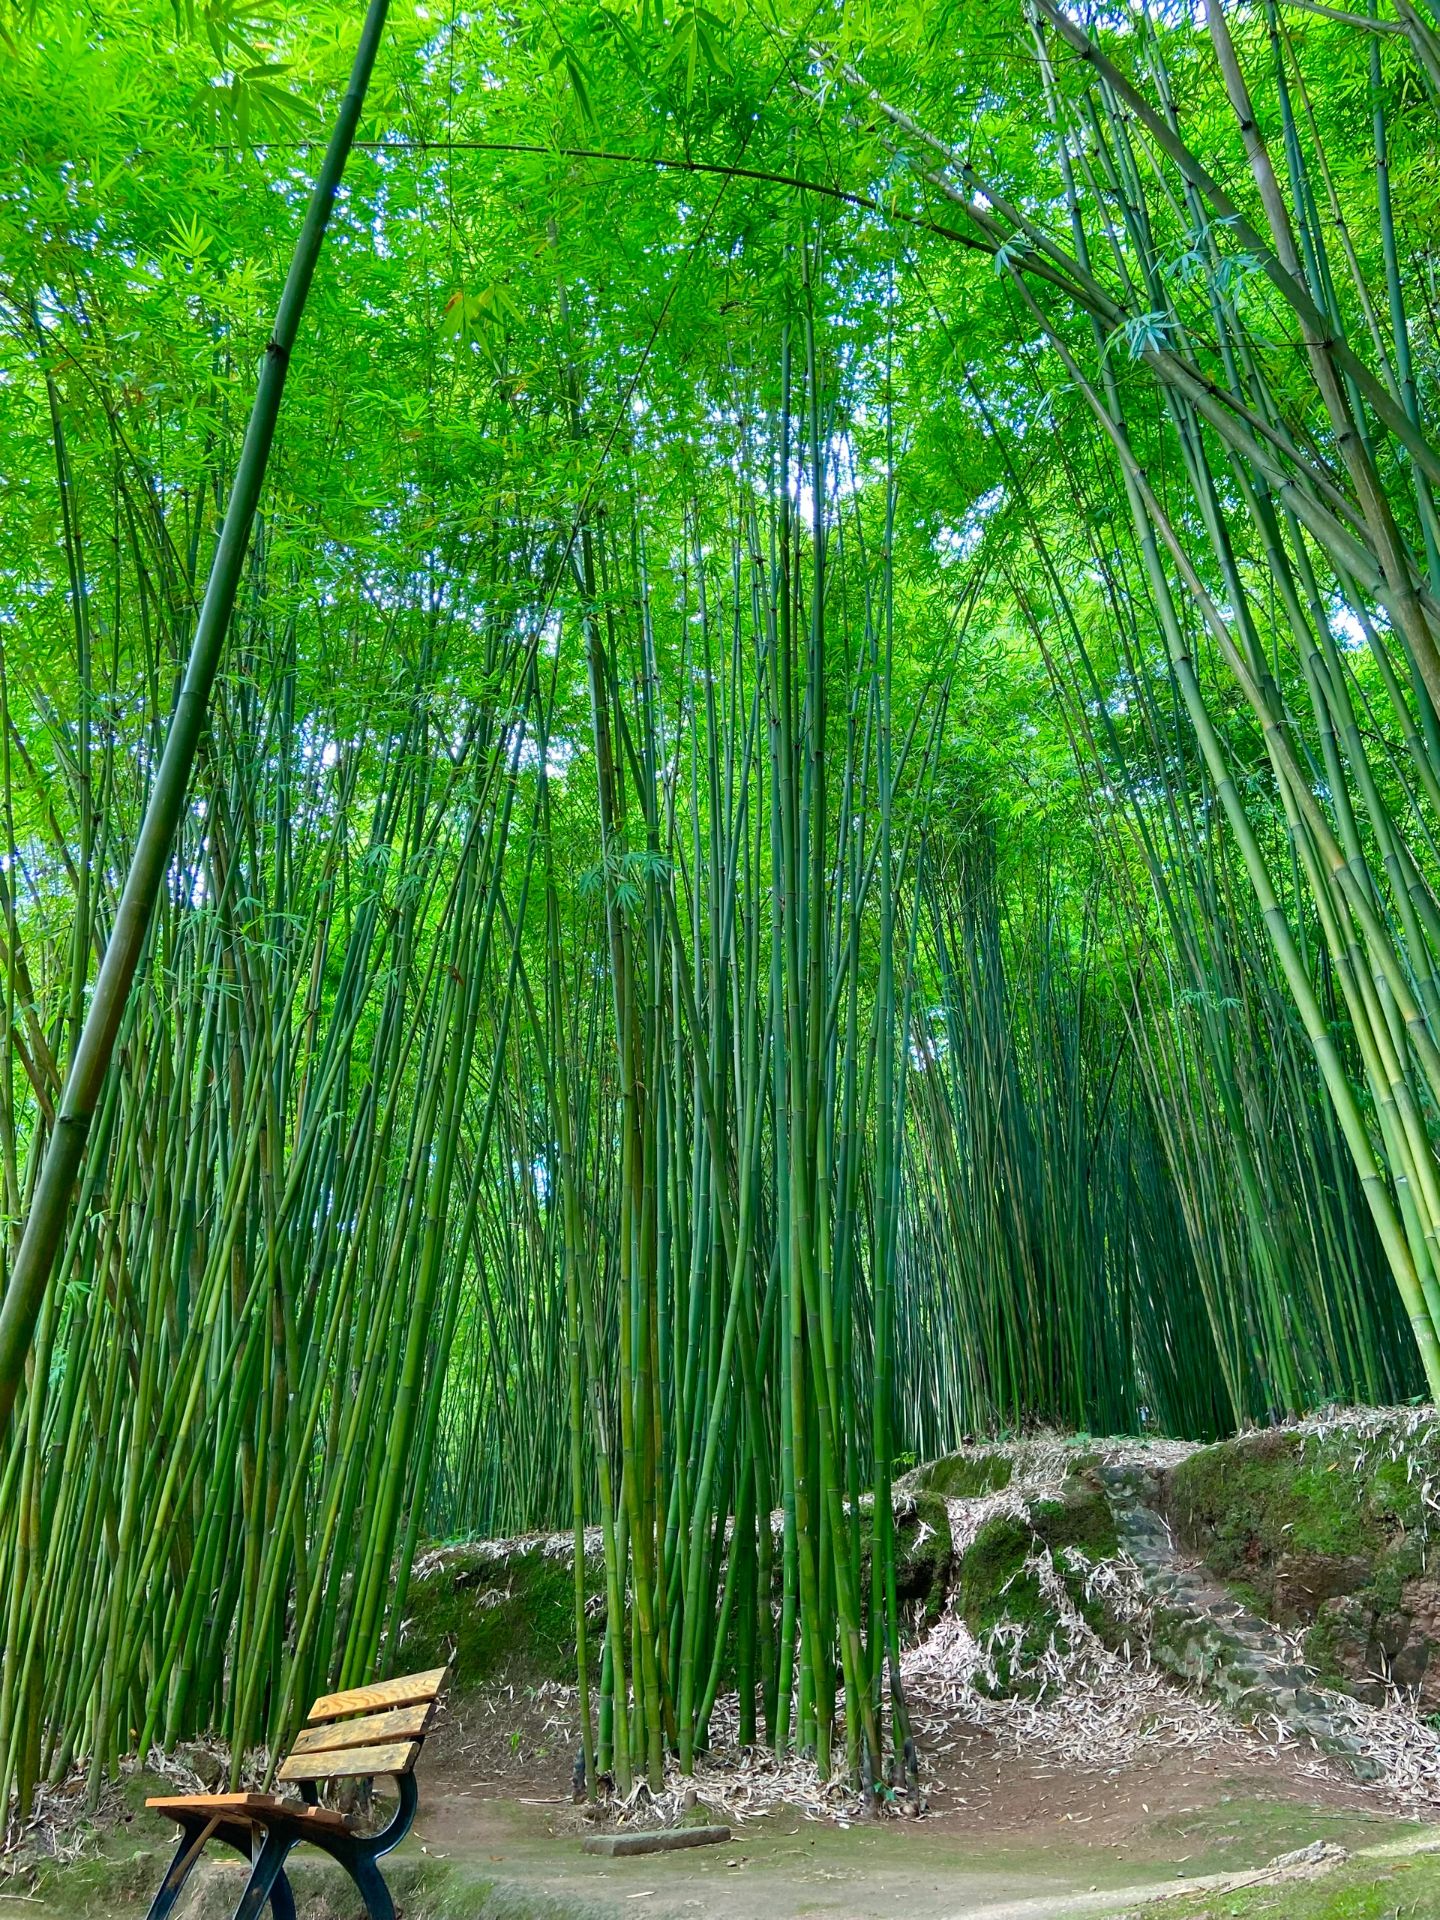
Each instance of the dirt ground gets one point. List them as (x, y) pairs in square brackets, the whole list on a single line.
[(1009, 1836), (1006, 1835)]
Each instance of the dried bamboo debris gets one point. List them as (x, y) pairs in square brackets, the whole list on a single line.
[(1079, 1701)]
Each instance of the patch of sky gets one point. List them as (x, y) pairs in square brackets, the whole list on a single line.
[(49, 307), (188, 884), (930, 1048), (1151, 791), (377, 222), (841, 478), (560, 754), (957, 543), (1346, 626)]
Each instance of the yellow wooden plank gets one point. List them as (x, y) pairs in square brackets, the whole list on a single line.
[(230, 1809), (371, 1729), (404, 1692), (203, 1802), (394, 1757)]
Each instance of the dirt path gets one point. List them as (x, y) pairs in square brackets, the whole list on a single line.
[(1014, 1832), (931, 1870), (1010, 1838)]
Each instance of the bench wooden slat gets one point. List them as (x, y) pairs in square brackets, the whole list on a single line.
[(393, 1757), (404, 1692), (247, 1807), (371, 1729)]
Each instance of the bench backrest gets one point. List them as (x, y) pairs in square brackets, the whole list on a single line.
[(367, 1730)]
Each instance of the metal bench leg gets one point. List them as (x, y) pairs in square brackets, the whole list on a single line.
[(373, 1890), (282, 1900), (193, 1835), (266, 1871)]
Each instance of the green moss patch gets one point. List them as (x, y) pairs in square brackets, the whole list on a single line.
[(117, 1858), (995, 1590), (1361, 1889), (965, 1476), (1328, 1533), (1243, 1830), (510, 1619), (118, 1876), (1251, 1501), (1081, 1518)]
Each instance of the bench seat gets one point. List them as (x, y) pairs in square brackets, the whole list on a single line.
[(257, 1809)]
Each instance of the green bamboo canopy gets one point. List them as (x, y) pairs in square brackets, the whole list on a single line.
[(806, 825)]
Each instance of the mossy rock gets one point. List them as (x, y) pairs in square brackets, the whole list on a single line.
[(965, 1476), (1326, 1533), (1080, 1522), (924, 1557), (995, 1590), (1340, 1648), (510, 1619), (1248, 1502), (989, 1591), (1080, 1518)]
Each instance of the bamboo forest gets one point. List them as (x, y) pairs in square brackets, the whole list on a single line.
[(720, 948)]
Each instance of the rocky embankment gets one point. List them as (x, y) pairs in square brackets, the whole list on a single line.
[(1285, 1577)]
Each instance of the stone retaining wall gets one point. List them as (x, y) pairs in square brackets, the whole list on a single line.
[(1201, 1633)]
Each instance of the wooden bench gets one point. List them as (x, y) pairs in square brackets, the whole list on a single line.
[(367, 1732)]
